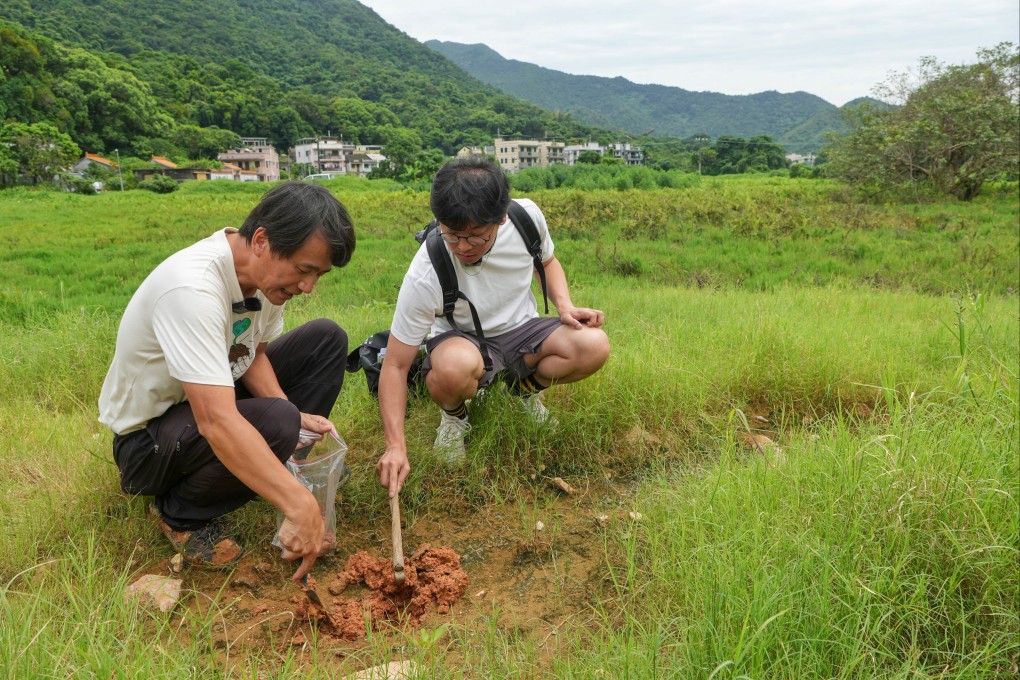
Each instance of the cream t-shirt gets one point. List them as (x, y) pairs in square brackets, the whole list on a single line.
[(180, 327)]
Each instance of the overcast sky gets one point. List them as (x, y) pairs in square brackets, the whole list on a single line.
[(836, 49)]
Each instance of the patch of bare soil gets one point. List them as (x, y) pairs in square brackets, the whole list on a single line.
[(531, 565)]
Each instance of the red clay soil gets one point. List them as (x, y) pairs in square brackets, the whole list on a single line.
[(433, 579)]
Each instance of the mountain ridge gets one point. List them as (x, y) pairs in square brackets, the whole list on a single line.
[(637, 108)]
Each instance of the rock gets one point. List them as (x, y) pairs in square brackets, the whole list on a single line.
[(761, 444), (539, 526), (177, 563), (395, 670), (161, 592), (245, 578), (639, 437), (562, 485)]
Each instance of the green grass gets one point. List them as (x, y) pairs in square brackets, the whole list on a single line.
[(882, 542)]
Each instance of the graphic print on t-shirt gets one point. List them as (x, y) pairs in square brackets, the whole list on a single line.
[(240, 354)]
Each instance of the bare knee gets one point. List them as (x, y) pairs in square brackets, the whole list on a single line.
[(454, 374)]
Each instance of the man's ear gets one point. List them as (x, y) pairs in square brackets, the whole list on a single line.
[(260, 241)]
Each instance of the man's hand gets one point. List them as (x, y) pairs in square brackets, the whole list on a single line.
[(314, 423), (578, 317), (303, 537), (393, 468)]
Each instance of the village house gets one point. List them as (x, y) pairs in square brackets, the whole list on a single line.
[(229, 171), (89, 160), (165, 166), (255, 155)]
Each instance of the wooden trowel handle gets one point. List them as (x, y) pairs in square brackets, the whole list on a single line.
[(398, 544)]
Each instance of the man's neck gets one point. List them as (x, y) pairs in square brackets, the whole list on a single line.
[(241, 252)]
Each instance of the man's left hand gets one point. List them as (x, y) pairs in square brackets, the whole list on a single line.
[(579, 317), (314, 423)]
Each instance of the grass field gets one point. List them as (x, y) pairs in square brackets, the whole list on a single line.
[(876, 346)]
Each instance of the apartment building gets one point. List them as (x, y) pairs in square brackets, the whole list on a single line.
[(324, 154), (629, 154), (514, 155)]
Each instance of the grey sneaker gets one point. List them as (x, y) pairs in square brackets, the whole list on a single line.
[(450, 434), (534, 406)]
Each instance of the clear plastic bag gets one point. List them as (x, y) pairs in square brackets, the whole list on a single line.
[(320, 468)]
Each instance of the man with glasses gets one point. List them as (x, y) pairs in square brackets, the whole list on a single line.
[(494, 270), (205, 401)]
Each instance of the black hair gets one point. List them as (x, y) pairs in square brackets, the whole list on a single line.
[(470, 192), (294, 211)]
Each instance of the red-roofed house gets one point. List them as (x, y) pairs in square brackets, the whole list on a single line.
[(165, 162), (90, 159)]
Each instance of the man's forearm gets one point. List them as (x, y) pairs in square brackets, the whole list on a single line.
[(393, 406), (260, 379)]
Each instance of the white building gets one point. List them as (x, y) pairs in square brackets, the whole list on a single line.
[(324, 154)]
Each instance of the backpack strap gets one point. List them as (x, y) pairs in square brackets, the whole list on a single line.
[(439, 256), (529, 232)]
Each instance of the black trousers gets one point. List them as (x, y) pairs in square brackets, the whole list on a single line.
[(170, 460)]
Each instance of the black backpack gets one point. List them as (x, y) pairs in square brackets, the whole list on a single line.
[(439, 256)]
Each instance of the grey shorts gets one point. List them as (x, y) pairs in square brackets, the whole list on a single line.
[(507, 351)]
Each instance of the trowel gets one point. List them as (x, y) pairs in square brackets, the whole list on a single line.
[(314, 598)]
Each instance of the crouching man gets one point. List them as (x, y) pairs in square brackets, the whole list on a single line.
[(494, 269), (205, 401)]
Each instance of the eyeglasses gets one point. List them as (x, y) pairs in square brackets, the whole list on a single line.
[(473, 239), (251, 304)]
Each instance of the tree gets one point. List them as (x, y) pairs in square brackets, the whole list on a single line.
[(40, 151), (953, 128), (589, 156)]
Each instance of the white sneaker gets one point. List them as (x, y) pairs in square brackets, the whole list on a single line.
[(534, 406), (450, 434)]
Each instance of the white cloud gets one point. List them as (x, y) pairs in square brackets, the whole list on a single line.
[(836, 49)]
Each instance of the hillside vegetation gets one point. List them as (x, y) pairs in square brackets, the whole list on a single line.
[(275, 69), (798, 120)]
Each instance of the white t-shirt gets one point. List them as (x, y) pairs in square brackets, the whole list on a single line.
[(500, 287), (179, 327)]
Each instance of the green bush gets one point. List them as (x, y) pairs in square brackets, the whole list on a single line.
[(161, 184)]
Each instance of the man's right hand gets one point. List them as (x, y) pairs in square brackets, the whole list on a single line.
[(302, 538), (393, 468)]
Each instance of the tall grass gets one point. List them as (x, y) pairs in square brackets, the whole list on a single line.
[(882, 542)]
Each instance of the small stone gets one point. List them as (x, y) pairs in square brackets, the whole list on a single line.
[(259, 609), (539, 526), (177, 563), (245, 578), (562, 485), (155, 591), (395, 670), (480, 593), (298, 639)]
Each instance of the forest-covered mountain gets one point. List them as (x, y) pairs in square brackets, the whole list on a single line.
[(275, 68), (798, 120)]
